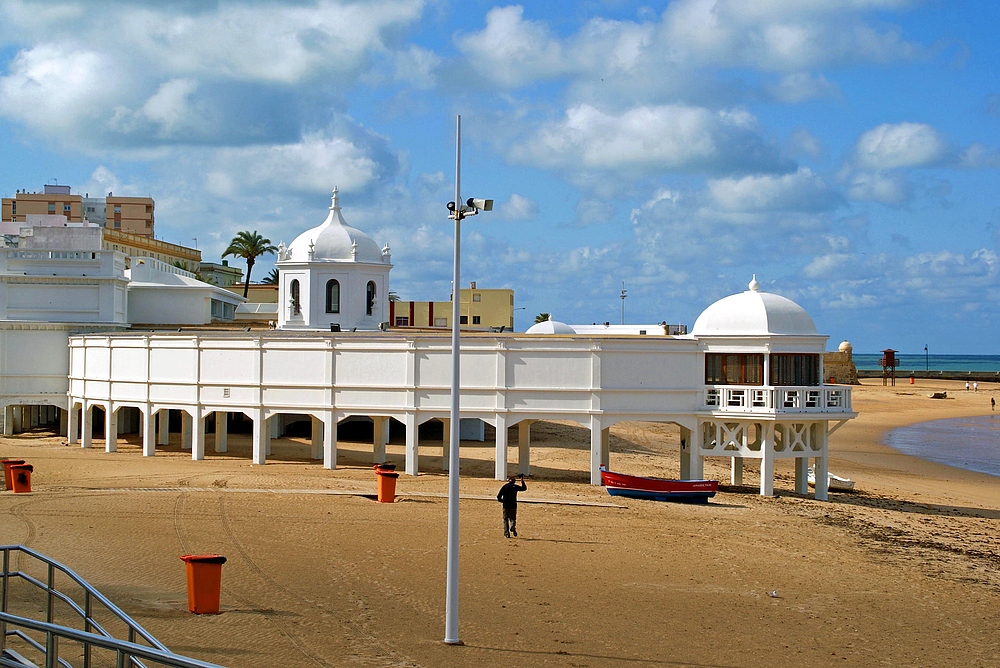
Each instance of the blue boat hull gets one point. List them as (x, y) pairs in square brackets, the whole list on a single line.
[(684, 497)]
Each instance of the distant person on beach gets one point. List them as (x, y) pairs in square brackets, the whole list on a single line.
[(993, 404), (508, 497), (975, 386), (966, 386)]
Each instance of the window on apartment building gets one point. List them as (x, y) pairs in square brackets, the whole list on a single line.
[(477, 298), (476, 320), (52, 207), (333, 296), (463, 320), (440, 322), (13, 208), (370, 298), (66, 208), (118, 208), (402, 321), (512, 300), (296, 307)]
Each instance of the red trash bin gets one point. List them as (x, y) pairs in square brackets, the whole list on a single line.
[(20, 475), (204, 582), (386, 482), (7, 463)]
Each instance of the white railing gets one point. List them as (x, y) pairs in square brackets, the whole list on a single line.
[(160, 265), (751, 399)]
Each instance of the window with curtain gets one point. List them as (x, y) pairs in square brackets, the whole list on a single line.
[(370, 300), (790, 369), (734, 369)]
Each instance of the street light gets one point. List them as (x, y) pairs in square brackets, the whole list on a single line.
[(458, 211)]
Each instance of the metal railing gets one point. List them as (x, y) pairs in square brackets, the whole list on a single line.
[(751, 399), (128, 652)]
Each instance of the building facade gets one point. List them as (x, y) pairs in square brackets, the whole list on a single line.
[(482, 309), (134, 215)]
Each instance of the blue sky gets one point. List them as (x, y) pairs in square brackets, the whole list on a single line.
[(845, 151)]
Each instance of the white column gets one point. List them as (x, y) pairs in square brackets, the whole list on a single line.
[(821, 466), (801, 475), (87, 431), (330, 441), (163, 428), (73, 433), (317, 438), (269, 427), (767, 461), (63, 422), (221, 431), (596, 449), (524, 447), (148, 432), (445, 443), (500, 465), (18, 419), (736, 471), (186, 429), (110, 428), (259, 437), (8, 420), (198, 435), (381, 438), (412, 445)]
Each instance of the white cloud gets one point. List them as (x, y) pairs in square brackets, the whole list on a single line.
[(511, 50), (802, 87), (892, 189), (800, 191), (803, 142), (519, 207), (651, 139), (891, 146)]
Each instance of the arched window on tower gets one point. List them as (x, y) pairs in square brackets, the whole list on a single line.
[(333, 296), (296, 305), (370, 302)]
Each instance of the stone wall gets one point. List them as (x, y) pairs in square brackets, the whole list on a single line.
[(840, 367)]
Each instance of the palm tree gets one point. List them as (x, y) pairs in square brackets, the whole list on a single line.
[(393, 297), (249, 246), (542, 317), (271, 278)]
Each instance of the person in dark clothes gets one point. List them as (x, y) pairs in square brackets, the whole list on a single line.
[(508, 497)]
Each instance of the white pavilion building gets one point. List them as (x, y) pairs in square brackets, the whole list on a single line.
[(747, 382)]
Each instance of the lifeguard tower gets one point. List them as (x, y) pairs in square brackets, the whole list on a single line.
[(889, 364)]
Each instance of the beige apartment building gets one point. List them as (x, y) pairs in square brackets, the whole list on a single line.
[(137, 245), (479, 308), (133, 215)]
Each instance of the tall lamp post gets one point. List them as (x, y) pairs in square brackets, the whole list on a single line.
[(458, 211)]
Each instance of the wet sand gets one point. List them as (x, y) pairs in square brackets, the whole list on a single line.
[(904, 572)]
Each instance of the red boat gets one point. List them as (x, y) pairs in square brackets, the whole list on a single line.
[(658, 489)]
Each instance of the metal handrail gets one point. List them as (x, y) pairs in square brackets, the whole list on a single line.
[(125, 651), (91, 626)]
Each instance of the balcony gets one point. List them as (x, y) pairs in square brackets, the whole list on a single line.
[(756, 399)]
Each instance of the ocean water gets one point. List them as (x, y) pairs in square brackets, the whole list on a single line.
[(971, 443), (918, 362)]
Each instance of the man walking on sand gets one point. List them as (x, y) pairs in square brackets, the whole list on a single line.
[(508, 497)]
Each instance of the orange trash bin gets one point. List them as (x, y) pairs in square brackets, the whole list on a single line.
[(386, 483), (7, 463), (204, 582), (20, 475)]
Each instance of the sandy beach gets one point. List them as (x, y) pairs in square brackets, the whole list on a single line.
[(905, 572)]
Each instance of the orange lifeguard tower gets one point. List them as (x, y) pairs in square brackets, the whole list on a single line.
[(888, 364)]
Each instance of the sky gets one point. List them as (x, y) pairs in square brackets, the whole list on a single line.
[(844, 151)]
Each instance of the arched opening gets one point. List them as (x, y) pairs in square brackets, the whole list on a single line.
[(333, 296), (296, 305), (370, 301)]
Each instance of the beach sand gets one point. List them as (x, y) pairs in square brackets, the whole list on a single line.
[(904, 572)]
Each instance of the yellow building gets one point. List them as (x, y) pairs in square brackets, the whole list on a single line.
[(137, 245), (133, 215), (479, 308)]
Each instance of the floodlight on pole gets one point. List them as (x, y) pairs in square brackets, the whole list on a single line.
[(458, 211)]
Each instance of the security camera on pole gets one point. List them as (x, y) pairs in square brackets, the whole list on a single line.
[(458, 211)]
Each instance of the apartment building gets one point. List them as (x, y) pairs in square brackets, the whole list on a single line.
[(479, 308), (133, 215)]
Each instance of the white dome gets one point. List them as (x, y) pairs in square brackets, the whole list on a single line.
[(845, 346), (754, 313), (335, 240), (550, 326)]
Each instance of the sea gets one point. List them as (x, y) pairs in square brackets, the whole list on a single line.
[(920, 362), (971, 443)]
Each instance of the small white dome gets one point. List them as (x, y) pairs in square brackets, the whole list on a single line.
[(335, 240), (550, 326), (754, 313), (845, 346)]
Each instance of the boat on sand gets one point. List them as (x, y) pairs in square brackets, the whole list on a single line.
[(835, 482), (658, 489)]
